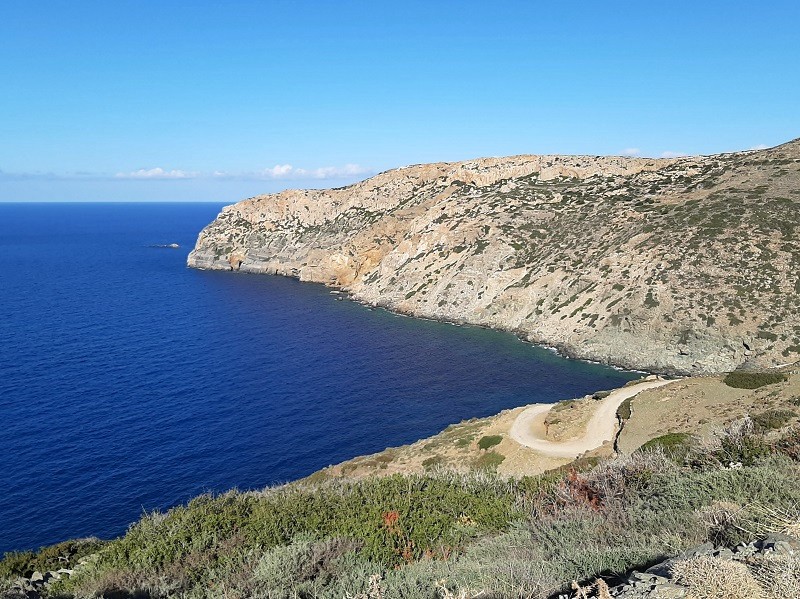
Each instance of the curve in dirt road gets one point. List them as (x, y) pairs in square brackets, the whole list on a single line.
[(600, 428)]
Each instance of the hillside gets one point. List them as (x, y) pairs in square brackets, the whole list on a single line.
[(684, 265), (716, 497)]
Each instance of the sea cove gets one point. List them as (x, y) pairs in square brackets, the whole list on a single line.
[(129, 382)]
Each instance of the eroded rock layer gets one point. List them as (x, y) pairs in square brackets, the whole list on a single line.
[(685, 265)]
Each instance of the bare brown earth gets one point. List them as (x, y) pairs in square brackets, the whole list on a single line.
[(700, 406), (685, 265)]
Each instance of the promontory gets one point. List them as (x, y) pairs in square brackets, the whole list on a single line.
[(681, 265)]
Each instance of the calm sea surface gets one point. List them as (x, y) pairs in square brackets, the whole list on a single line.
[(129, 382)]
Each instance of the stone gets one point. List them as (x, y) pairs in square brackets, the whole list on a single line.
[(780, 543), (648, 577), (723, 553), (670, 591)]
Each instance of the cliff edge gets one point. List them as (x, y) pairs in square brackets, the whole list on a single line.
[(682, 265)]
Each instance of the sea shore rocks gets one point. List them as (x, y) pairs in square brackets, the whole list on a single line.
[(31, 587), (39, 583)]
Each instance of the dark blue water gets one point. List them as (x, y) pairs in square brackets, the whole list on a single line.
[(129, 382)]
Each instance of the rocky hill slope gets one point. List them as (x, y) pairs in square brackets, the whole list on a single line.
[(685, 265)]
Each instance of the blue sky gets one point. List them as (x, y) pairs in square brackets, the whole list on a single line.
[(217, 101)]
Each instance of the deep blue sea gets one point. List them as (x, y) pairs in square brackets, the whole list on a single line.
[(129, 382)]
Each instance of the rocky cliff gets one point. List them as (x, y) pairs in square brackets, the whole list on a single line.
[(686, 265)]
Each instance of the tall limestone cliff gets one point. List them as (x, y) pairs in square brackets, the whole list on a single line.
[(685, 265)]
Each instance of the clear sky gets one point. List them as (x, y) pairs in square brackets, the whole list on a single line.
[(217, 101)]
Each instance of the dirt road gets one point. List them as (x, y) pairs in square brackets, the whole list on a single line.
[(528, 429)]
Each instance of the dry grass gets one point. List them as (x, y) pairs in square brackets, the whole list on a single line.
[(760, 520), (719, 517), (374, 591), (779, 575), (444, 593), (597, 590), (713, 578)]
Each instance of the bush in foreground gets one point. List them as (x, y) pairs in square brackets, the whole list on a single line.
[(425, 536), (60, 555)]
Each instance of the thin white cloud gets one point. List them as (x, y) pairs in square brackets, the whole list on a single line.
[(292, 173), (157, 173), (19, 176), (334, 172), (277, 172), (760, 147), (671, 154), (631, 152)]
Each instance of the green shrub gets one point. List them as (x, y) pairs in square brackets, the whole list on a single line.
[(624, 409), (425, 511), (773, 419), (753, 380), (489, 460), (432, 462), (746, 450), (489, 441), (676, 445), (17, 563)]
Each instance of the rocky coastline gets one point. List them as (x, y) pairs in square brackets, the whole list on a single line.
[(675, 266)]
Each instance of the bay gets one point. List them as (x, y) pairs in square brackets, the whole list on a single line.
[(129, 382)]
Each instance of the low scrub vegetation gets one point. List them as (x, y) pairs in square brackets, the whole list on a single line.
[(447, 534), (624, 410), (773, 419), (753, 380), (489, 460), (489, 441), (672, 444)]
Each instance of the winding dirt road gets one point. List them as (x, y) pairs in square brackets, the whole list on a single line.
[(528, 428)]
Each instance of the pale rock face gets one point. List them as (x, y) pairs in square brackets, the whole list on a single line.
[(682, 265)]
